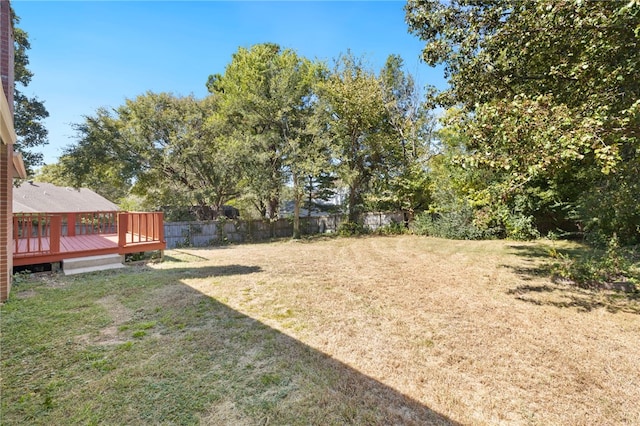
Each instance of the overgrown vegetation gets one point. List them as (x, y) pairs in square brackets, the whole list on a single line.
[(352, 229), (30, 111), (614, 268)]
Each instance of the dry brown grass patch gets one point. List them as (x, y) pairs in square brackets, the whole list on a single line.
[(465, 328)]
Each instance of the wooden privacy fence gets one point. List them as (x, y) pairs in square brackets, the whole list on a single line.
[(211, 233)]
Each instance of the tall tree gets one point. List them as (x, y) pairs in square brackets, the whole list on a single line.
[(266, 94), (553, 96), (355, 122), (29, 111), (99, 160), (169, 150), (405, 185)]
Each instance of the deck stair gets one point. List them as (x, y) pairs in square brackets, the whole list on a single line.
[(81, 265)]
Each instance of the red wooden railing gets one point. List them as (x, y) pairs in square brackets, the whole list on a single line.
[(37, 234), (140, 227), (90, 223)]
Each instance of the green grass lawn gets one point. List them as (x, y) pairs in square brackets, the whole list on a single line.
[(140, 347), (400, 330)]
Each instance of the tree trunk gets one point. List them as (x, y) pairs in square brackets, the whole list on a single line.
[(298, 193), (354, 202), (272, 208)]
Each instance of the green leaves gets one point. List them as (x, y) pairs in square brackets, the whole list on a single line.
[(29, 111), (267, 96), (549, 93)]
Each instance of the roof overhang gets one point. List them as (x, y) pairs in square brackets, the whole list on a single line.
[(7, 131)]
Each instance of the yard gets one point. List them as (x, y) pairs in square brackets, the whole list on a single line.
[(375, 330)]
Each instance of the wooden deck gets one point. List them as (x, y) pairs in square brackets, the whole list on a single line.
[(47, 238)]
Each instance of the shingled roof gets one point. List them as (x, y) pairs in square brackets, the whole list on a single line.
[(31, 197)]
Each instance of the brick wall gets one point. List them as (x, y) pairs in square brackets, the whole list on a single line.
[(6, 51), (6, 154)]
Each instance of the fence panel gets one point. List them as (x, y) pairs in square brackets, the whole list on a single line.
[(212, 233)]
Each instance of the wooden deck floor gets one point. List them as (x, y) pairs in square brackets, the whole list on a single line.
[(34, 251)]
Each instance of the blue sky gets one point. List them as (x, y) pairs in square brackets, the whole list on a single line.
[(87, 55)]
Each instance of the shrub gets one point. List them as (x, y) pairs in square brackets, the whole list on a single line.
[(455, 225), (520, 227), (394, 228), (349, 229), (597, 269)]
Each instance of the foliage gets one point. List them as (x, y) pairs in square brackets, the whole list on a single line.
[(403, 183), (351, 229), (166, 149), (550, 102), (181, 144), (353, 119), (457, 223), (394, 228), (599, 269), (318, 189), (274, 124), (266, 96), (29, 112)]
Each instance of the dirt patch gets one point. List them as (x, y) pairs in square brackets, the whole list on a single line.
[(110, 335), (26, 294)]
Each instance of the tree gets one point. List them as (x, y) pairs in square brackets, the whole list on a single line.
[(405, 184), (355, 122), (181, 152), (266, 94), (29, 111), (552, 97), (169, 150)]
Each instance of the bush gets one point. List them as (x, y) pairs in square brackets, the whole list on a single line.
[(597, 269), (349, 229), (394, 228), (520, 227), (455, 225)]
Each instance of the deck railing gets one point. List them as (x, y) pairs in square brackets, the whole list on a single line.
[(90, 223), (140, 227), (37, 234)]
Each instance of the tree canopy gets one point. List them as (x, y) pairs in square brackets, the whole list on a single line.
[(551, 101), (29, 111), (274, 121)]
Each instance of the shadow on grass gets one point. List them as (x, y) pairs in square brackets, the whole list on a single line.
[(186, 358), (567, 296), (563, 293), (215, 271), (297, 383), (541, 251)]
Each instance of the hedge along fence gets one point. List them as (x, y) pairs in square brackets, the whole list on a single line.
[(213, 233)]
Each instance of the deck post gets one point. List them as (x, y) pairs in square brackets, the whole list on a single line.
[(71, 224), (160, 225), (55, 233), (123, 219)]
